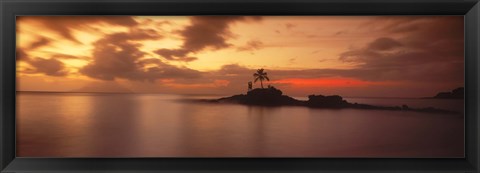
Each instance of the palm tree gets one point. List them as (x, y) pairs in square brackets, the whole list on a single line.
[(260, 75)]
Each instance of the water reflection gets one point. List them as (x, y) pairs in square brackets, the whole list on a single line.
[(129, 125)]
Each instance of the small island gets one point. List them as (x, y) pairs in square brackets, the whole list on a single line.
[(272, 96), (457, 93)]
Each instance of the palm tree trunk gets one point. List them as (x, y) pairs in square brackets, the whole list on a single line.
[(261, 83)]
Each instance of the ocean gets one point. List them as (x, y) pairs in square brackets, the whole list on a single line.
[(163, 125)]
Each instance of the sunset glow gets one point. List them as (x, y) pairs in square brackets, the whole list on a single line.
[(330, 82), (406, 56)]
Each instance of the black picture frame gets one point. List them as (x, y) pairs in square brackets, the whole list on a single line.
[(11, 8)]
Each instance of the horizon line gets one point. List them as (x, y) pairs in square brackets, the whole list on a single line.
[(96, 92)]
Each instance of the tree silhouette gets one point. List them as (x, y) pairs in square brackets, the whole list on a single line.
[(261, 75)]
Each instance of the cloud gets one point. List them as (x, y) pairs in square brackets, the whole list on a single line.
[(64, 25), (341, 33), (403, 24), (315, 51), (430, 51), (233, 70), (116, 56), (175, 54), (289, 25), (39, 43), (203, 32), (292, 60), (66, 56), (51, 67), (251, 45), (384, 43), (21, 55)]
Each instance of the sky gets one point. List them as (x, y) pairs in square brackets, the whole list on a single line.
[(356, 56)]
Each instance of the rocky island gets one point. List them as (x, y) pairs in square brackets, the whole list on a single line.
[(457, 93), (274, 97)]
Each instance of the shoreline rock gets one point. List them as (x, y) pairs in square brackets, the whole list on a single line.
[(457, 93), (274, 97)]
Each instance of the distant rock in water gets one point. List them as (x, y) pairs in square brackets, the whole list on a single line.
[(454, 94), (321, 101), (273, 97)]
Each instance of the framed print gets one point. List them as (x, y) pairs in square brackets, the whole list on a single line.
[(319, 86)]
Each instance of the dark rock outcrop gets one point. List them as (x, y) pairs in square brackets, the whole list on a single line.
[(320, 101), (457, 93), (263, 97), (273, 97)]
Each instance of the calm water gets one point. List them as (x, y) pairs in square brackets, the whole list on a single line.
[(155, 125)]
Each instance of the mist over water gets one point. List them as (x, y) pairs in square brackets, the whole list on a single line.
[(159, 125)]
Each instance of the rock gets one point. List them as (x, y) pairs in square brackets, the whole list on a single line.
[(321, 101), (262, 96), (273, 97), (457, 93)]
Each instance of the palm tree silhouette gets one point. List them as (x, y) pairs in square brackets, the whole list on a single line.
[(261, 75)]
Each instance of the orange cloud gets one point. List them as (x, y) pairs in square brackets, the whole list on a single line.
[(214, 84)]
